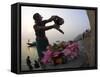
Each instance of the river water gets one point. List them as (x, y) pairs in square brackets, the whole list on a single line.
[(27, 51)]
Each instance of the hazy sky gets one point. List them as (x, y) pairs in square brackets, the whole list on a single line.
[(75, 23)]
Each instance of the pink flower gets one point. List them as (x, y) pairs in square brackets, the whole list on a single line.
[(56, 53), (66, 51), (71, 50), (47, 57)]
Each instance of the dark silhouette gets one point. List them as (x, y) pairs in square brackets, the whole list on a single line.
[(36, 64), (28, 61), (40, 28)]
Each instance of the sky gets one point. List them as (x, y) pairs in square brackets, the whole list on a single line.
[(75, 22)]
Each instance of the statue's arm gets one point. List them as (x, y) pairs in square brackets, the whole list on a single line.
[(49, 20), (44, 27)]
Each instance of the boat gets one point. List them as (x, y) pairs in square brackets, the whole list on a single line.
[(31, 44)]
